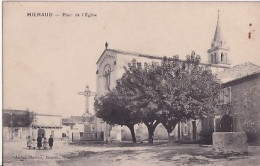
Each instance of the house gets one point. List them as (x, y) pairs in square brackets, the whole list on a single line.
[(77, 128), (72, 126), (242, 90), (46, 125)]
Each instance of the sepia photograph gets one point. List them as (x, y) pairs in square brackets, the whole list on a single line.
[(130, 83)]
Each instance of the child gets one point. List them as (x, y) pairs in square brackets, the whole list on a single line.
[(50, 141), (45, 143), (39, 141), (34, 144), (29, 142)]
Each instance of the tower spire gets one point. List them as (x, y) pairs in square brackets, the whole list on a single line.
[(217, 36), (218, 53)]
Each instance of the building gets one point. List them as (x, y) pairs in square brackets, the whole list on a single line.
[(72, 126), (14, 127), (46, 125), (110, 68), (242, 90), (19, 124)]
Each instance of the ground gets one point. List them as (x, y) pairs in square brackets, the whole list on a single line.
[(120, 154)]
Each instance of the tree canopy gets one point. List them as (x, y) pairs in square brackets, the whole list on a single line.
[(112, 108), (18, 120), (168, 92)]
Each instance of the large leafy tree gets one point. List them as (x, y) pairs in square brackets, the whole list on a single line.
[(166, 93), (112, 108), (171, 92), (140, 83), (189, 91)]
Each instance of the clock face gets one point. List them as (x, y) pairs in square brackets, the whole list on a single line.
[(107, 71)]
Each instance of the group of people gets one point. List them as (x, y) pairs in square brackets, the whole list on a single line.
[(41, 142)]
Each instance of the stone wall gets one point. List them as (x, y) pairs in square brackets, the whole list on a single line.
[(229, 142), (245, 97)]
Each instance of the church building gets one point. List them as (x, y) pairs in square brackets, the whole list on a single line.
[(110, 67)]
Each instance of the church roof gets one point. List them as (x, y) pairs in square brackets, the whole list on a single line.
[(152, 57), (130, 53), (238, 72)]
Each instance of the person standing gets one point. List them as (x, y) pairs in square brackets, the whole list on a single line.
[(34, 144), (29, 142), (50, 141), (39, 142), (45, 143)]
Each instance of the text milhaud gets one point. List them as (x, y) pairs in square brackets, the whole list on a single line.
[(39, 14)]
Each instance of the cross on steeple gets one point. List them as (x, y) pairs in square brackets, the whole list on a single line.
[(87, 93), (218, 14)]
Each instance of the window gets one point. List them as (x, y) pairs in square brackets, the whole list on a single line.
[(222, 57), (71, 127), (107, 71), (225, 95)]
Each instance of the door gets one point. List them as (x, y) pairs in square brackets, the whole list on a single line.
[(217, 124), (194, 130), (41, 132)]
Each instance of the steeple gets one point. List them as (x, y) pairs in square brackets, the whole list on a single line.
[(218, 53), (217, 36)]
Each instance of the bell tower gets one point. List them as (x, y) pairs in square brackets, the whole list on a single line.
[(219, 52)]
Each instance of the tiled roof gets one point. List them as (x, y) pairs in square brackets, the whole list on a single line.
[(238, 72), (72, 120), (14, 111)]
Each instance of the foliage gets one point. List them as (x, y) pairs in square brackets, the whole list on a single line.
[(190, 90), (18, 120), (166, 93), (112, 109)]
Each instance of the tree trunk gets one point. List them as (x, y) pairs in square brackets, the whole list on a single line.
[(151, 127), (169, 129), (131, 128), (169, 137), (150, 132)]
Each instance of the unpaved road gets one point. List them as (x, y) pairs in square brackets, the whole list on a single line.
[(120, 154)]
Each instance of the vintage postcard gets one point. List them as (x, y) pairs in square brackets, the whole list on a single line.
[(131, 83)]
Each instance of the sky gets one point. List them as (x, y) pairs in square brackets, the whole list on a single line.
[(47, 60)]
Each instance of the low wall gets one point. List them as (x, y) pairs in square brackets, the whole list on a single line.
[(229, 142)]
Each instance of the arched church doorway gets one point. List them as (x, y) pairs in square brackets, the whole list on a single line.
[(41, 132)]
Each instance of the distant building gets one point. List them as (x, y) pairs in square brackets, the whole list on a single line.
[(13, 129), (72, 127), (46, 125)]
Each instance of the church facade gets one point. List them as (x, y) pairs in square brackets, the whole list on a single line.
[(110, 67)]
